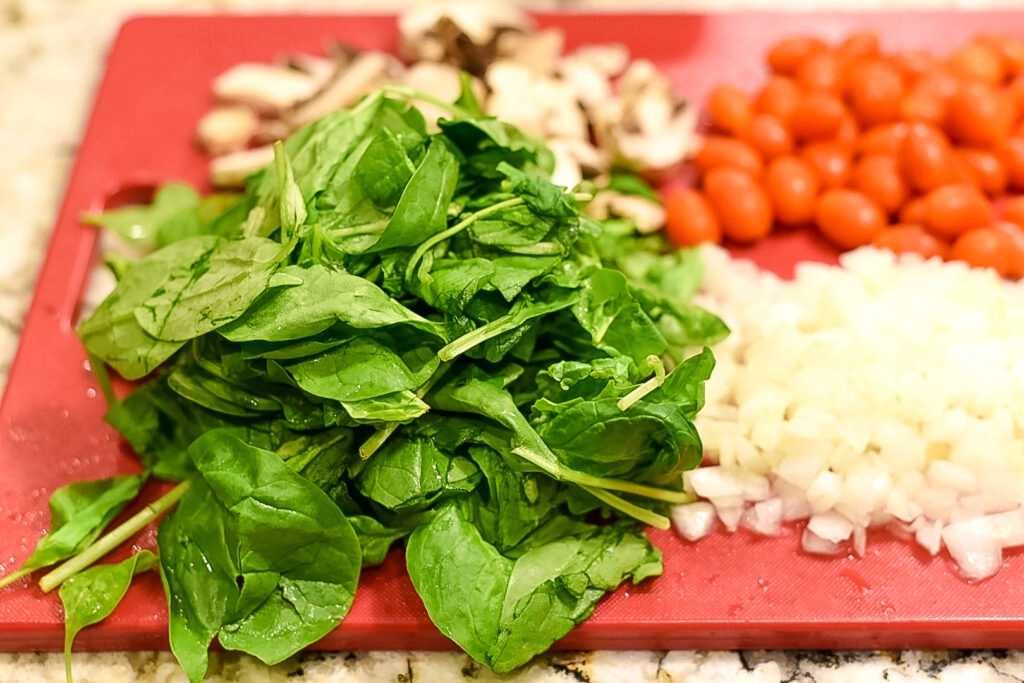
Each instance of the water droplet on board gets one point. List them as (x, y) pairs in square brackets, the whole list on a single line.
[(90, 393)]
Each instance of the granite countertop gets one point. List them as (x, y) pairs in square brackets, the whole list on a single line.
[(51, 55)]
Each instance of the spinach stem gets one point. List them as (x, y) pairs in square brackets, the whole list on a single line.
[(647, 387), (11, 578), (459, 346), (635, 511), (99, 368), (586, 480), (114, 538), (430, 242), (407, 93)]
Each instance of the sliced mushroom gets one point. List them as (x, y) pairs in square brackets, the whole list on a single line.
[(538, 104), (266, 87), (610, 59), (462, 33), (440, 80), (648, 216), (538, 50), (575, 160), (231, 170), (227, 129), (650, 128), (368, 71)]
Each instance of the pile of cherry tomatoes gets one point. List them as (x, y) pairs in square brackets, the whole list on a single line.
[(908, 151)]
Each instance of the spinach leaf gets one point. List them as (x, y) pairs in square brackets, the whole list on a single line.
[(141, 225), (79, 513), (200, 296), (91, 596), (274, 555), (501, 611), (311, 300), (422, 210), (409, 474)]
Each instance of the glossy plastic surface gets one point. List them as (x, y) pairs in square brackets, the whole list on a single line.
[(723, 592)]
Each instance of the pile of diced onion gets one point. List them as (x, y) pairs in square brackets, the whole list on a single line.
[(887, 392)]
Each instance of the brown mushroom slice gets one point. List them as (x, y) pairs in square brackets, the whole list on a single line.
[(367, 72), (320, 69), (264, 86), (227, 129), (648, 216), (462, 33), (231, 170)]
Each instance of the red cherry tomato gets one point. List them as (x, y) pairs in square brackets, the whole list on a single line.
[(792, 187), (739, 203), (878, 177), (689, 219), (730, 109), (718, 151), (954, 209), (926, 158), (848, 218), (984, 248), (910, 239)]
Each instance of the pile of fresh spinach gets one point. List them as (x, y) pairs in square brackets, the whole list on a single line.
[(394, 335)]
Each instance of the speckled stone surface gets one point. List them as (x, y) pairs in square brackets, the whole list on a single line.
[(51, 56)]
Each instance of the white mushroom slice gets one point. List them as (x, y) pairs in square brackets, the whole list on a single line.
[(609, 59), (368, 71), (587, 84), (538, 50), (267, 87), (651, 128), (227, 129), (647, 215), (231, 170), (320, 69), (271, 130), (537, 104)]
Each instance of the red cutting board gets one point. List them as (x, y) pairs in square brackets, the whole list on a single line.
[(727, 591)]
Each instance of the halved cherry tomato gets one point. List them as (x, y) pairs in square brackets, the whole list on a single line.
[(954, 209), (910, 239), (730, 109), (848, 218), (878, 177), (689, 219), (739, 203), (984, 248), (718, 150), (792, 187)]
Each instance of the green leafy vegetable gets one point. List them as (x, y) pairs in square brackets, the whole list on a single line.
[(91, 596), (78, 514), (396, 335)]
